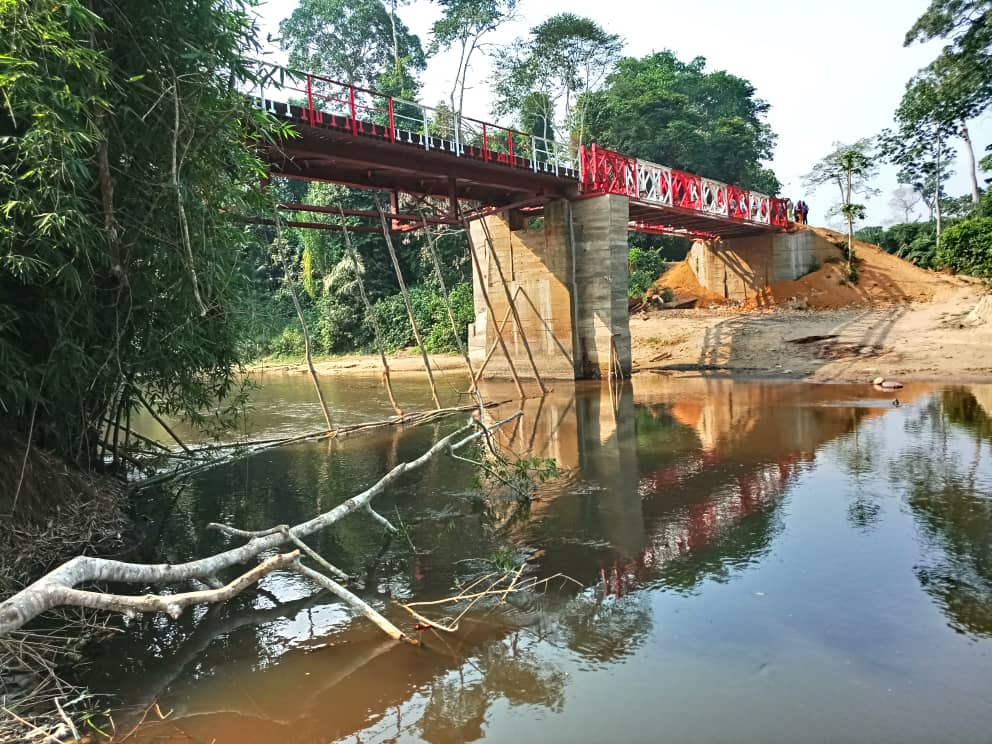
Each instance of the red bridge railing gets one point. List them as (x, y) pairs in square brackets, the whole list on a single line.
[(603, 171), (322, 102)]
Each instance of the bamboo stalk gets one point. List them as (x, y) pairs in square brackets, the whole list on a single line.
[(512, 304), (168, 430), (409, 306)]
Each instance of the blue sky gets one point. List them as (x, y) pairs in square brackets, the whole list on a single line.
[(832, 71)]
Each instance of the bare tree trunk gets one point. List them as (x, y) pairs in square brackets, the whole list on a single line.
[(57, 588), (288, 278), (850, 222), (936, 195), (972, 166), (409, 305)]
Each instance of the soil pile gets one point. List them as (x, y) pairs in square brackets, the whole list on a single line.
[(883, 280), (681, 279)]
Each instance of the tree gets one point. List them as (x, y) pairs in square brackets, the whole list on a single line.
[(903, 202), (464, 24), (355, 41), (947, 94), (563, 60), (958, 84), (851, 168), (122, 157), (678, 114), (919, 147)]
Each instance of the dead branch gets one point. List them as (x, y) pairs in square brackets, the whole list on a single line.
[(494, 590), (57, 587), (409, 306)]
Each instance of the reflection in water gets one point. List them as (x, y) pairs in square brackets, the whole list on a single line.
[(740, 547), (950, 494)]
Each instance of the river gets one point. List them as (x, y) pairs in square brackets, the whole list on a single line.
[(756, 562)]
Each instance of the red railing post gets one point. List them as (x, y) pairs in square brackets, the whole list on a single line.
[(310, 97), (485, 142), (595, 171), (509, 141), (392, 124), (354, 113)]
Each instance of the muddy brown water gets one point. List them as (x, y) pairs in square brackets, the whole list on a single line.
[(758, 562)]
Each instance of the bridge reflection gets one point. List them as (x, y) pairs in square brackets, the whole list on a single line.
[(671, 484)]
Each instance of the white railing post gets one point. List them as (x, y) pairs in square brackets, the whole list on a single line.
[(427, 131)]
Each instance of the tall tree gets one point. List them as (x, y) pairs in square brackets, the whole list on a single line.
[(679, 114), (464, 24), (920, 145), (562, 60), (356, 41), (851, 168), (957, 86)]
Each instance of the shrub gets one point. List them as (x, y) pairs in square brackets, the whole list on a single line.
[(289, 343), (966, 247)]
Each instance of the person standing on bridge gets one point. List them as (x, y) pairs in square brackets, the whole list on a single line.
[(801, 211)]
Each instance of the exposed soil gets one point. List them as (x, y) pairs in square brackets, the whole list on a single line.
[(897, 320)]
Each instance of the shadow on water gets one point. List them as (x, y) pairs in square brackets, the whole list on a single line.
[(743, 545)]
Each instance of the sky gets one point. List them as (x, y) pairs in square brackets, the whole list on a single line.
[(832, 71)]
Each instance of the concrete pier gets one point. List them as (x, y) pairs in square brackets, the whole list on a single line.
[(567, 274)]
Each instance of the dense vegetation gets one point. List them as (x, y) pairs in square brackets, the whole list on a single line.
[(123, 145)]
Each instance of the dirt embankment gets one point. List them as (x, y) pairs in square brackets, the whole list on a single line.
[(897, 321)]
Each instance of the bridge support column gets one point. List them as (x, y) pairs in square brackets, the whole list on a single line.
[(599, 249), (567, 274)]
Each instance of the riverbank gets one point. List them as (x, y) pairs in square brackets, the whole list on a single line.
[(403, 362), (934, 340)]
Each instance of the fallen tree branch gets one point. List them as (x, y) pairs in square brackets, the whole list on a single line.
[(57, 587)]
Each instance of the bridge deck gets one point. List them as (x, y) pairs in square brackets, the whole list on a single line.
[(496, 166)]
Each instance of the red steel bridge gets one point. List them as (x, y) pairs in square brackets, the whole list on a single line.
[(359, 137)]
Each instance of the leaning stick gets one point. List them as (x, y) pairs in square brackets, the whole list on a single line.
[(492, 349), (409, 306), (512, 304), (491, 311), (287, 276), (447, 305), (376, 330)]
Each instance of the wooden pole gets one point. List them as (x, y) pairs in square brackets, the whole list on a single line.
[(303, 326), (447, 305), (409, 306), (513, 306), (376, 330), (492, 348), (489, 308)]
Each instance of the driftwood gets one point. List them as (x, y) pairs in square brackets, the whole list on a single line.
[(253, 447), (58, 587)]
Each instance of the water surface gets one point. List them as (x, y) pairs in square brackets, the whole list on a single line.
[(757, 562)]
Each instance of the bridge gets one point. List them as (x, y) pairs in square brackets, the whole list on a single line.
[(565, 276)]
